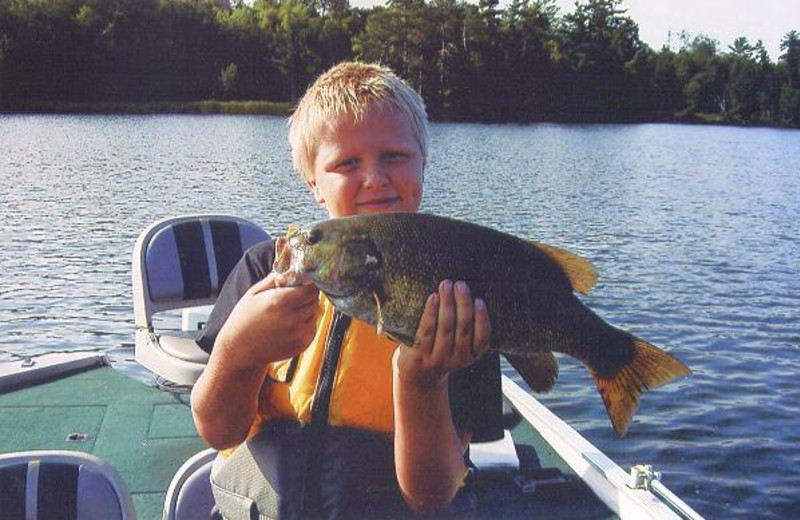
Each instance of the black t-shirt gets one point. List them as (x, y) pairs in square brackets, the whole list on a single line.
[(475, 392)]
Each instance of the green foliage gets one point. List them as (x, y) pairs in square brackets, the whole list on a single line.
[(227, 80), (790, 106), (748, 88), (790, 45), (520, 60), (596, 45), (293, 27), (164, 107)]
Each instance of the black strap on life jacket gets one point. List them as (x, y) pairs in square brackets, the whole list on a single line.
[(320, 411)]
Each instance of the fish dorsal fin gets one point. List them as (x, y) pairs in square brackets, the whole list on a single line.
[(581, 273), (538, 369)]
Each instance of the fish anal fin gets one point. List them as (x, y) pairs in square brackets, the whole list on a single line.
[(650, 368), (539, 370), (581, 273)]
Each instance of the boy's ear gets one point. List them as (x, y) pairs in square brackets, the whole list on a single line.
[(312, 185)]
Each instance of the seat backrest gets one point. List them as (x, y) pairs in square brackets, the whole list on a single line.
[(182, 262), (189, 496), (62, 484)]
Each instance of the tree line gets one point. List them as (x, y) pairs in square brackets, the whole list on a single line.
[(525, 61)]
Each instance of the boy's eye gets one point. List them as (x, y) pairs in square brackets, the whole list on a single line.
[(347, 164), (394, 156)]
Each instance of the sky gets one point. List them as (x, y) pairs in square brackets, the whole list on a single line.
[(723, 20)]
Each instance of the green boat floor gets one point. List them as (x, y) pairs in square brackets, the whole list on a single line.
[(147, 433), (144, 432)]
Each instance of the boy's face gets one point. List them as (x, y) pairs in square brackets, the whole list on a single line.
[(372, 166)]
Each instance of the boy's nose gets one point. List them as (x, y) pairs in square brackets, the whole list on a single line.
[(375, 175)]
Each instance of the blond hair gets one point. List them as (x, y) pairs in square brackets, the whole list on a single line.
[(351, 88)]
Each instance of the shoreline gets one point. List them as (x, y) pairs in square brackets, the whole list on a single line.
[(206, 107), (284, 109)]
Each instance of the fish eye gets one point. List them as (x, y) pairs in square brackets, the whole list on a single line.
[(314, 236)]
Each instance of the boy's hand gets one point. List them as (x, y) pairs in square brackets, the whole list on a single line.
[(453, 333), (270, 322)]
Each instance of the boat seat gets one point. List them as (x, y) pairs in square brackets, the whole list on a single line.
[(62, 484), (181, 263), (189, 496), (183, 348)]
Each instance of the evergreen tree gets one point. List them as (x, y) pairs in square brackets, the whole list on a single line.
[(597, 41), (790, 89)]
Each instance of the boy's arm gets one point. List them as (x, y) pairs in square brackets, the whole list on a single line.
[(429, 451), (254, 266), (269, 323)]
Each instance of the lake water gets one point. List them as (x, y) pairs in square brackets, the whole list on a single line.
[(693, 231)]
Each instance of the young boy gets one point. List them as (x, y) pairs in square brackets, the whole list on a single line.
[(339, 421)]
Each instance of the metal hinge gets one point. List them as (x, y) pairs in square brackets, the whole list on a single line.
[(643, 477)]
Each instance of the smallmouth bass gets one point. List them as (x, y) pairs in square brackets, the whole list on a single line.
[(381, 269)]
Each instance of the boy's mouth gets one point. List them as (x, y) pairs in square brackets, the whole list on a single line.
[(379, 204)]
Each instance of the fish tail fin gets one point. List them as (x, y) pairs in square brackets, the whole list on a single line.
[(650, 368)]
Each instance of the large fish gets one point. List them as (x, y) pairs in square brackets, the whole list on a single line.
[(381, 268)]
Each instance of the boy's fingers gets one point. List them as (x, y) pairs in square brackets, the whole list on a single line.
[(464, 319), (306, 296), (294, 297), (483, 329), (275, 280), (445, 328), (308, 311), (426, 331), (270, 282), (309, 318), (290, 279)]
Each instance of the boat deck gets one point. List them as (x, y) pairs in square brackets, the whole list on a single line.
[(147, 433), (144, 432)]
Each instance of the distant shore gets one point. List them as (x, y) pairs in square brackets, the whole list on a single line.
[(284, 109), (270, 108)]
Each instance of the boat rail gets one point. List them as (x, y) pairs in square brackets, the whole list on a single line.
[(649, 498)]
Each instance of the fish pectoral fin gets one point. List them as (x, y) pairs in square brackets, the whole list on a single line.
[(580, 272), (394, 338), (379, 323), (650, 368), (539, 370), (398, 337)]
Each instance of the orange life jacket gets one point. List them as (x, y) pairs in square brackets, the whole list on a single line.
[(362, 389)]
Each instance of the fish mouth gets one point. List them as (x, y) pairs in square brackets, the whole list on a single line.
[(290, 252), (305, 259), (292, 255)]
